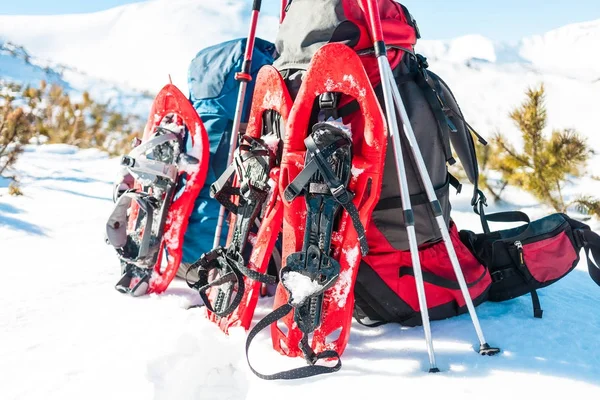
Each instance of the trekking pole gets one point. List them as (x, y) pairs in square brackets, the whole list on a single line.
[(386, 83), (387, 75), (284, 5), (244, 77)]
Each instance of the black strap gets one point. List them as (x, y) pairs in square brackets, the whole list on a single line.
[(591, 242), (320, 163), (480, 202), (437, 107), (222, 191), (537, 307), (232, 270), (313, 358), (439, 281), (392, 203), (508, 216), (455, 183), (296, 187), (339, 191)]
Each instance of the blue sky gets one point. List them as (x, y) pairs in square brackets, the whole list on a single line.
[(506, 20)]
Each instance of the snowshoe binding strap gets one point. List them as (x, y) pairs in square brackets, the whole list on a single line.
[(224, 269), (135, 281), (136, 235), (308, 274), (144, 168), (320, 153), (140, 251)]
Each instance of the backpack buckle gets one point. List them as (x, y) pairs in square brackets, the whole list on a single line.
[(328, 101), (497, 276), (579, 237)]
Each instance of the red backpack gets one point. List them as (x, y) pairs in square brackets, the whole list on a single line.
[(385, 288)]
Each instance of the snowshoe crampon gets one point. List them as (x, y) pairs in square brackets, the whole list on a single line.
[(331, 179), (149, 221), (231, 277)]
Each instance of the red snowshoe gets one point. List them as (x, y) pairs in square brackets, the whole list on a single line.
[(231, 277), (331, 179), (148, 224)]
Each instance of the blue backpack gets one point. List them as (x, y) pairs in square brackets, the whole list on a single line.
[(213, 93)]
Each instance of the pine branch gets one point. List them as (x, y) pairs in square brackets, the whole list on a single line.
[(587, 205)]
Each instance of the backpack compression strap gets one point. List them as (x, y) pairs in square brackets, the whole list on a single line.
[(139, 165)]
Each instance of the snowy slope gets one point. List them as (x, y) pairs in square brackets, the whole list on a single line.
[(67, 334), (568, 50), (138, 44), (141, 44), (17, 65)]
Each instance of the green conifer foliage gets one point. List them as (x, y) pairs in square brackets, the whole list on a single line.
[(546, 162)]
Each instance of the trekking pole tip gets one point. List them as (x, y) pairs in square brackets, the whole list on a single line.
[(434, 370), (486, 350)]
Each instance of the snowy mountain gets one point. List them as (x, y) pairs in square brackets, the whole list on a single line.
[(568, 50), (19, 66), (139, 44)]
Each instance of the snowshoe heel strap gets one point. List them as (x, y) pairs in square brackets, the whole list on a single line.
[(135, 281), (311, 357), (230, 271), (116, 227), (215, 263)]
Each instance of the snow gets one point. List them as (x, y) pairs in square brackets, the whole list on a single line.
[(67, 334), (63, 323), (351, 254), (300, 286), (356, 172), (272, 142)]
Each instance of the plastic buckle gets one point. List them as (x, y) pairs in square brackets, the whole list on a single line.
[(478, 200), (328, 100), (341, 194), (497, 276), (423, 65)]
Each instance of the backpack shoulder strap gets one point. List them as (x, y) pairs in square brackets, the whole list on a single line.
[(590, 242)]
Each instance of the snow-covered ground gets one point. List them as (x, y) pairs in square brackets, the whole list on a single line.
[(67, 334)]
